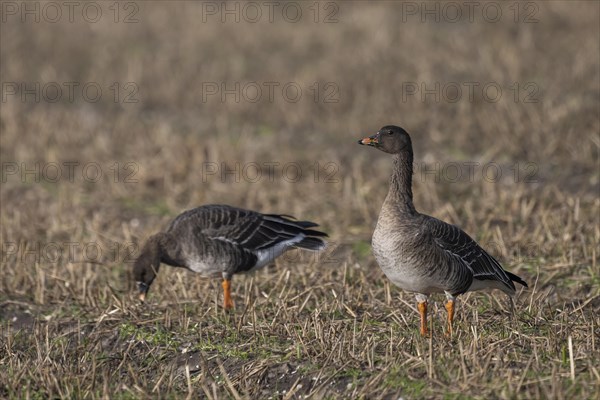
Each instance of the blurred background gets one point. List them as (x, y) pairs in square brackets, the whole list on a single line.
[(115, 117), (129, 113)]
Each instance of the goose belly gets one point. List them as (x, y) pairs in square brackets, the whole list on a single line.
[(239, 262), (400, 262), (207, 267)]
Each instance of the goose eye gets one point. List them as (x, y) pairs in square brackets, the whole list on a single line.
[(390, 133)]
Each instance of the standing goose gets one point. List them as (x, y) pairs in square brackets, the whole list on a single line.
[(220, 240), (419, 253)]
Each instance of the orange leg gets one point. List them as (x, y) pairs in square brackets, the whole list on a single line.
[(227, 302), (450, 309), (422, 307)]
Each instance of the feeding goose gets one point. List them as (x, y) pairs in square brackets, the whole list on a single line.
[(419, 253), (220, 240)]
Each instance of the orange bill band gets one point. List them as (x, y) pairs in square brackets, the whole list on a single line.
[(368, 141)]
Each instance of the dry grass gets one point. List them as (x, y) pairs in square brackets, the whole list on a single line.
[(326, 326)]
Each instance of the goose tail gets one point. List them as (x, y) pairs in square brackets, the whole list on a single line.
[(516, 278), (312, 243)]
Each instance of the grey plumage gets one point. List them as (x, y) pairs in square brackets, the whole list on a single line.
[(220, 240), (422, 254)]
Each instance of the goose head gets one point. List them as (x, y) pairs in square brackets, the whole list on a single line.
[(390, 139), (146, 267)]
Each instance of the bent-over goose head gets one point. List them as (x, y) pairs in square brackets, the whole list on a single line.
[(146, 266)]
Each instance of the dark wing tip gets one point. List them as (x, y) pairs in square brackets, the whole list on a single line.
[(306, 224), (312, 232), (311, 243), (292, 219), (517, 279), (302, 225), (289, 218)]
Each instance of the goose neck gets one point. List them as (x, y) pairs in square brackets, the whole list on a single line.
[(401, 182)]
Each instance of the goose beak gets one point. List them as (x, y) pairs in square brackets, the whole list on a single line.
[(370, 141), (143, 289)]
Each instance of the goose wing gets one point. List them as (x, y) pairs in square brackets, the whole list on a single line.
[(249, 229), (461, 246)]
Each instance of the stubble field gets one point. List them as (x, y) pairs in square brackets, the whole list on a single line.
[(111, 125)]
